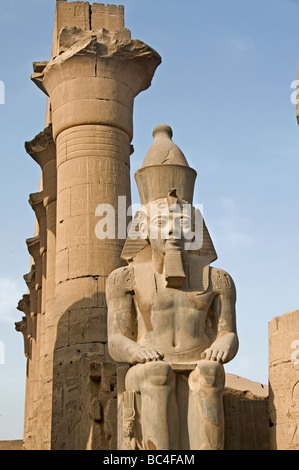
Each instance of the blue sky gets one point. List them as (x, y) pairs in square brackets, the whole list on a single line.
[(225, 87)]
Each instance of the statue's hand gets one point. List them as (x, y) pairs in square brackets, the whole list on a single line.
[(223, 349), (146, 354)]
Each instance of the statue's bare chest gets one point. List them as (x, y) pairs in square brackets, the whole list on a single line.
[(167, 299), (162, 308)]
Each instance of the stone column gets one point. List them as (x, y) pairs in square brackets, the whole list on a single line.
[(91, 84), (30, 410), (33, 245), (36, 201), (24, 327), (43, 150), (28, 402), (284, 381)]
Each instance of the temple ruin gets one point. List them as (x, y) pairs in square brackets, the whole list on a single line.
[(83, 151)]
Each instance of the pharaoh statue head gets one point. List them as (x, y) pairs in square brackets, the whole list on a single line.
[(168, 221)]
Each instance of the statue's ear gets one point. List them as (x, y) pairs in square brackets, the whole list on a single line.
[(143, 230)]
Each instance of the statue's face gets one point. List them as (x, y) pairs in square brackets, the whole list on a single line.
[(169, 226)]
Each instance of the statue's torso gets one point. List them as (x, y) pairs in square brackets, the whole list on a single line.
[(178, 323)]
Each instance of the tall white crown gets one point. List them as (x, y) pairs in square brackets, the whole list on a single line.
[(164, 168)]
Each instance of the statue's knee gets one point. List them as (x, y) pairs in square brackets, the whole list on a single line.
[(212, 371), (207, 374), (158, 373)]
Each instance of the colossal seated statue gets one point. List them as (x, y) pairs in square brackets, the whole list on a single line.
[(171, 316)]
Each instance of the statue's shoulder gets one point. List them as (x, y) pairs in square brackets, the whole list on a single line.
[(121, 278), (221, 280)]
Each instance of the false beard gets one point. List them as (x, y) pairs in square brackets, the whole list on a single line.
[(173, 265)]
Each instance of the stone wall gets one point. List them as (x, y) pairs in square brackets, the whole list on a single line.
[(246, 414), (284, 381), (11, 445)]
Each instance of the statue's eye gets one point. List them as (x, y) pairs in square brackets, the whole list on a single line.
[(185, 222), (161, 223)]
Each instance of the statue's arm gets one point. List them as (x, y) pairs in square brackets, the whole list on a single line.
[(122, 324), (226, 344)]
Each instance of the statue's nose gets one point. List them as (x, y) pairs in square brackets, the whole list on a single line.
[(170, 226)]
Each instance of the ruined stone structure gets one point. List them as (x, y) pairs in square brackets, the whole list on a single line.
[(83, 151)]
